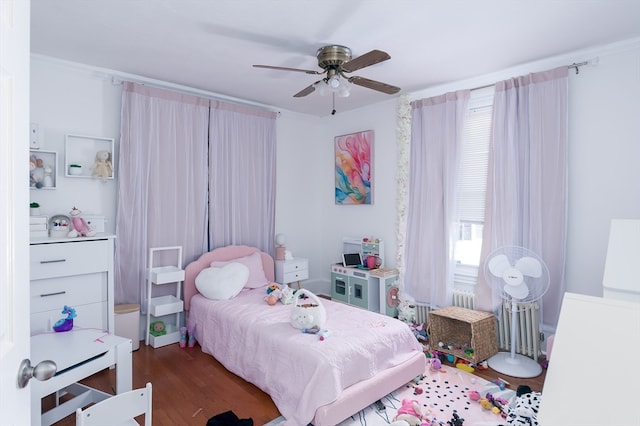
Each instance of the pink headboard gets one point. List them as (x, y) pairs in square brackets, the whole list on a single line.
[(221, 254)]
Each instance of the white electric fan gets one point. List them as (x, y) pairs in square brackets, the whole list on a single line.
[(520, 277)]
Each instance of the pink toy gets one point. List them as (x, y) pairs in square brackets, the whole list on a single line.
[(79, 226), (410, 412)]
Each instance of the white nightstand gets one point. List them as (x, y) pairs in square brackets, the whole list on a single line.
[(293, 270)]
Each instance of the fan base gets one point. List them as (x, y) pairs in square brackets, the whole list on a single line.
[(514, 365)]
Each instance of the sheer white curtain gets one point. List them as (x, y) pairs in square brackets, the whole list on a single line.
[(162, 182), (527, 180), (436, 135), (242, 162)]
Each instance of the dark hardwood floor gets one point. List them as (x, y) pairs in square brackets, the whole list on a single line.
[(189, 387)]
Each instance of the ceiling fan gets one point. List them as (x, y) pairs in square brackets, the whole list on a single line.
[(336, 63)]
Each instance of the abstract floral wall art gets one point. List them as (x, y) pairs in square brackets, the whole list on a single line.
[(354, 168)]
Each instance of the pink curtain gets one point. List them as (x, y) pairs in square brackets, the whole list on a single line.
[(527, 180), (162, 182), (242, 160), (436, 135)]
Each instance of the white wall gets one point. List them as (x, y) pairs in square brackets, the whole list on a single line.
[(604, 176), (68, 99)]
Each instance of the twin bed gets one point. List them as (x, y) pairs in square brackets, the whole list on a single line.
[(365, 356)]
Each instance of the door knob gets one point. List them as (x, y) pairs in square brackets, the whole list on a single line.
[(43, 371)]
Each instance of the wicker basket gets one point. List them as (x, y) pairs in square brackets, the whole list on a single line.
[(460, 330)]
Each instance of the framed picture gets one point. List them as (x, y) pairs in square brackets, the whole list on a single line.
[(354, 168)]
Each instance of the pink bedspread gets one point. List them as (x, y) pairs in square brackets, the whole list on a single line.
[(299, 371)]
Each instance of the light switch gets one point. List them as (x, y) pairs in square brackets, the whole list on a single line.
[(34, 136)]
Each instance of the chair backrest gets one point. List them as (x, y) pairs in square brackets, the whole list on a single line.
[(118, 409)]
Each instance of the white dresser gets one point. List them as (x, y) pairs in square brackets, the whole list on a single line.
[(76, 272), (292, 270)]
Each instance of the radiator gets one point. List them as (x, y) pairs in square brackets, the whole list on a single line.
[(527, 333), (422, 314), (464, 299)]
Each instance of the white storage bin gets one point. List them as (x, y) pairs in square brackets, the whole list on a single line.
[(127, 322), (165, 305)]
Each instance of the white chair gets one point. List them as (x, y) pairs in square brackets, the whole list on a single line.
[(118, 409)]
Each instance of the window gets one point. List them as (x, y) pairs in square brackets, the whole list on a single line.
[(471, 186)]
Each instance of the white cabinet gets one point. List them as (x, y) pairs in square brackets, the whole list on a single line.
[(170, 272), (73, 272), (292, 270)]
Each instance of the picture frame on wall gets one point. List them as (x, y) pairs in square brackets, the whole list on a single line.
[(354, 168)]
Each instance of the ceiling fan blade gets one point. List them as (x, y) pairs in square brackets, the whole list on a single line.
[(375, 85), (304, 92), (370, 58), (289, 69)]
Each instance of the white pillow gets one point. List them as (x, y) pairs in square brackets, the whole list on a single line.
[(222, 283), (257, 278)]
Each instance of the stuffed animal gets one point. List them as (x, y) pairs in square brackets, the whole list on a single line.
[(79, 226), (409, 412), (525, 411), (157, 328), (407, 311), (36, 172), (102, 167)]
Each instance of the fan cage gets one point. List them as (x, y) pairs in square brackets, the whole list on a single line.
[(537, 286)]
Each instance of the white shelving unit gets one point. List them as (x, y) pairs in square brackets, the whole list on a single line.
[(81, 150), (164, 305)]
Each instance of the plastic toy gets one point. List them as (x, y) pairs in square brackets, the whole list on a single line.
[(65, 324), (456, 420)]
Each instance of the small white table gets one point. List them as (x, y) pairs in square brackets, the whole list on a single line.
[(292, 270), (78, 353)]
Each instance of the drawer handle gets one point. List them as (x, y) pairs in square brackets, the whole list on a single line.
[(53, 261), (53, 294)]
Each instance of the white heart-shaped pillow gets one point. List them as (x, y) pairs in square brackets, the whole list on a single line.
[(222, 283)]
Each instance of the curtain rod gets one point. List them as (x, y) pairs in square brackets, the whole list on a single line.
[(575, 65)]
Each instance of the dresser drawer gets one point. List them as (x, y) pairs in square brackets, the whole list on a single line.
[(69, 258), (293, 276), (294, 265), (54, 293)]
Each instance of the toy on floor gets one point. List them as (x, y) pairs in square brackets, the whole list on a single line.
[(525, 411), (65, 324), (456, 420), (409, 412)]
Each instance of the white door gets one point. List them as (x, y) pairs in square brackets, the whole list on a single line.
[(14, 209)]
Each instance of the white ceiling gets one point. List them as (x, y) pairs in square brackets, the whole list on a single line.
[(210, 45)]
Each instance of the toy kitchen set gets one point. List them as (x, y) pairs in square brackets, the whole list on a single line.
[(360, 279)]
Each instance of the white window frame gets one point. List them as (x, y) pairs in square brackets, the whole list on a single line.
[(465, 275)]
